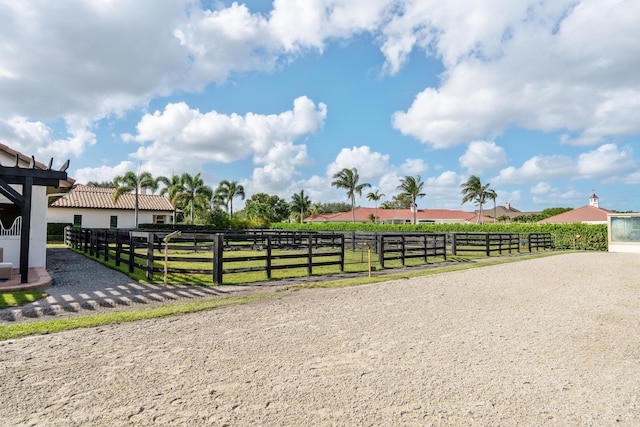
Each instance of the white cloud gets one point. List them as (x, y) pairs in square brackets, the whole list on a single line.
[(442, 191), (103, 173), (606, 161), (535, 169), (37, 139), (413, 167), (482, 156), (309, 24), (530, 70), (370, 165), (183, 136), (83, 57), (546, 195)]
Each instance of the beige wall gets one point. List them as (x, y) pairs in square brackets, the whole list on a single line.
[(101, 218)]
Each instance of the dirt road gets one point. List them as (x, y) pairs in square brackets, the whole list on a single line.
[(551, 341)]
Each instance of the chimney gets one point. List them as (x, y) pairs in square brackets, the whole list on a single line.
[(507, 206)]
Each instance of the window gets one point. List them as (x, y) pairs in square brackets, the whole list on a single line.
[(77, 221), (159, 219), (113, 222)]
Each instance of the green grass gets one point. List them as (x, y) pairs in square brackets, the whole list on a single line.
[(18, 298), (51, 326)]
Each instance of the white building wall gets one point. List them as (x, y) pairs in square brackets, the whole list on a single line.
[(38, 231), (101, 218)]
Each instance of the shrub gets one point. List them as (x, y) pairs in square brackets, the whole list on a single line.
[(591, 237)]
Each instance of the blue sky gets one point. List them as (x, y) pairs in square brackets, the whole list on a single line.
[(541, 99)]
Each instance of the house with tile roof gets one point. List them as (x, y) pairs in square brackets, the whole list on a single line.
[(502, 211), (93, 207), (587, 214), (11, 214), (401, 216)]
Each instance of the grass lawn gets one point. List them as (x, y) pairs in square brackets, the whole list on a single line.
[(18, 298)]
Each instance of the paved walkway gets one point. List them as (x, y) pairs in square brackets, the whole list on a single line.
[(81, 286)]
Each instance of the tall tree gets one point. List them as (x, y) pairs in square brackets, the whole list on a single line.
[(172, 189), (279, 209), (229, 190), (412, 188), (194, 193), (375, 196), (490, 194), (474, 191), (348, 179), (131, 182), (300, 203)]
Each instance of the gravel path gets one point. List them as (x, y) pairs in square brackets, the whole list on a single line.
[(548, 341), (82, 286)]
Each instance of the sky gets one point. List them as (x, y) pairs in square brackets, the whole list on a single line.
[(541, 99)]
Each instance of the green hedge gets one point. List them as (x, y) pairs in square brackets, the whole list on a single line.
[(592, 237), (55, 231)]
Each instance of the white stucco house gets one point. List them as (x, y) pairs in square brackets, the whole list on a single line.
[(10, 214), (93, 207)]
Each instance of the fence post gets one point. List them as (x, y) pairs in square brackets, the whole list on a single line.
[(118, 248), (217, 258), (132, 253), (341, 237), (454, 244), (381, 251), (309, 255), (150, 249), (268, 260), (487, 242), (106, 245)]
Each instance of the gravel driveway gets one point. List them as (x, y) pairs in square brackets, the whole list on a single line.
[(548, 341), (82, 286)]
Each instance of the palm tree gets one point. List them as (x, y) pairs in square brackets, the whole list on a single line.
[(474, 191), (172, 189), (375, 196), (300, 203), (348, 179), (227, 191), (194, 192), (490, 194), (412, 188), (131, 182), (316, 208)]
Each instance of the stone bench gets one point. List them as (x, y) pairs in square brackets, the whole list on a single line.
[(5, 270)]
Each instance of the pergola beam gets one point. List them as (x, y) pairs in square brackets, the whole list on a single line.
[(27, 177)]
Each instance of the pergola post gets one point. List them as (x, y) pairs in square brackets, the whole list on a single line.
[(27, 178)]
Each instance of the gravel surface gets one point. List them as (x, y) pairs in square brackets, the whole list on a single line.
[(548, 341), (82, 286)]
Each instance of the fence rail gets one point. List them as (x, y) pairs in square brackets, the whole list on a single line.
[(218, 254)]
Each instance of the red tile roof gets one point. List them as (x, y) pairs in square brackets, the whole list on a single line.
[(584, 214), (363, 215), (83, 196)]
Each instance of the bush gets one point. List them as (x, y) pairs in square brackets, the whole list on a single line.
[(591, 237), (55, 231)]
